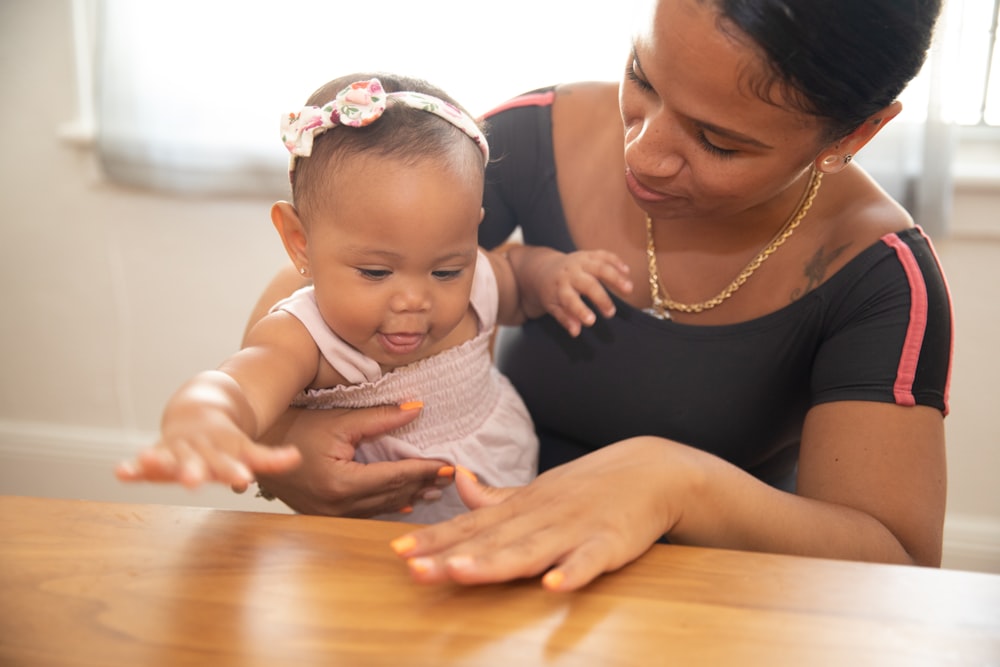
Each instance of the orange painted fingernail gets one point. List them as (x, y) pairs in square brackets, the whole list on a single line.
[(411, 405), (461, 562), (419, 565), (553, 579), (446, 471), (468, 473), (403, 544), (406, 510)]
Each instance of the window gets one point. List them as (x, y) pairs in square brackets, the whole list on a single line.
[(974, 99), (189, 91)]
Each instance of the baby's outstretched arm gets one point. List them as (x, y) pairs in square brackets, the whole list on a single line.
[(210, 424), (204, 438), (549, 281)]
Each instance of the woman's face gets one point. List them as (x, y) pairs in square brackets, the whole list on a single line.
[(699, 143)]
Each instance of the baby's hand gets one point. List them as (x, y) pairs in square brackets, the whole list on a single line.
[(565, 279), (208, 450)]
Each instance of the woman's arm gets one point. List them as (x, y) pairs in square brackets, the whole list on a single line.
[(871, 487)]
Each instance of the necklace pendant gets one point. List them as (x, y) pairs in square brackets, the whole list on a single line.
[(657, 313)]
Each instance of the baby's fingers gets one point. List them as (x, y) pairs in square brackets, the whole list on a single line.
[(238, 470), (262, 458), (221, 466), (191, 468), (608, 270), (588, 286), (156, 464), (234, 460), (570, 322)]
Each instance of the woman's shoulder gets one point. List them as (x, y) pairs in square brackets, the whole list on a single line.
[(587, 93), (855, 214), (539, 97), (859, 212), (583, 105)]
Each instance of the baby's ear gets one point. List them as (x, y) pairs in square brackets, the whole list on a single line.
[(286, 221)]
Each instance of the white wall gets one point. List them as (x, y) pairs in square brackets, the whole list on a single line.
[(113, 297)]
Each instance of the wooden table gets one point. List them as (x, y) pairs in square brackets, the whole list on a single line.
[(85, 583)]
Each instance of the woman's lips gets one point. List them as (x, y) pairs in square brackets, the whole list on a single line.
[(641, 192), (400, 343)]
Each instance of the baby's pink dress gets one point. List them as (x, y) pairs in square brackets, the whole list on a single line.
[(472, 415)]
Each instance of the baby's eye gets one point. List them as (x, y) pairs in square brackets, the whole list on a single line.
[(447, 274), (375, 274)]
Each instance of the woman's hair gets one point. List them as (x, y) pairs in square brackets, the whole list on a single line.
[(841, 60), (402, 132)]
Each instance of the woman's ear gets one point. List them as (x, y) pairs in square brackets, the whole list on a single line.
[(286, 220), (839, 154)]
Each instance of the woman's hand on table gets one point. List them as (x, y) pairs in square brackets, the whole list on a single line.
[(569, 523), (330, 482)]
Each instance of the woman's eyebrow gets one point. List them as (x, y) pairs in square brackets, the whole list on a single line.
[(731, 134), (705, 125)]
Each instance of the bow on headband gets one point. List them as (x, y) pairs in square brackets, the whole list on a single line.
[(360, 104)]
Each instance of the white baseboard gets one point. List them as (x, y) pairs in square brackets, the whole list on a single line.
[(971, 542), (37, 440), (57, 461)]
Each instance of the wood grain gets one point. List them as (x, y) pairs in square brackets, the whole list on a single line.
[(112, 584)]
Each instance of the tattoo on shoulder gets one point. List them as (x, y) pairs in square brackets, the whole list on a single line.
[(816, 268)]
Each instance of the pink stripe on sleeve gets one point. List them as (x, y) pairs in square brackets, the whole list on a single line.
[(951, 318), (907, 371), (529, 100)]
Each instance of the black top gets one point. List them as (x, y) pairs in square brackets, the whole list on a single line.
[(877, 330)]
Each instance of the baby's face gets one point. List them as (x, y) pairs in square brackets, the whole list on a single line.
[(393, 254)]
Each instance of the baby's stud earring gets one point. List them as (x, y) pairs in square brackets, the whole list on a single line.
[(302, 270)]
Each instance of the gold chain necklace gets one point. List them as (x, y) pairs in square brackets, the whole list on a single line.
[(662, 303)]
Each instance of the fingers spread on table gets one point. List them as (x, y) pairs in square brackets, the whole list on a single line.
[(580, 566)]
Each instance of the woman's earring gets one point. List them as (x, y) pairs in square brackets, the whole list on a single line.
[(830, 160), (848, 158)]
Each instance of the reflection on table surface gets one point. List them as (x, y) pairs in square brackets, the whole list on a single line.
[(85, 583)]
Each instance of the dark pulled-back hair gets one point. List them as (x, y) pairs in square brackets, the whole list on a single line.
[(841, 60), (402, 132)]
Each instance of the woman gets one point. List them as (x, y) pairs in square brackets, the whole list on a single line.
[(787, 388)]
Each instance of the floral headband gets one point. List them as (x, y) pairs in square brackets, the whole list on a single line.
[(360, 104)]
